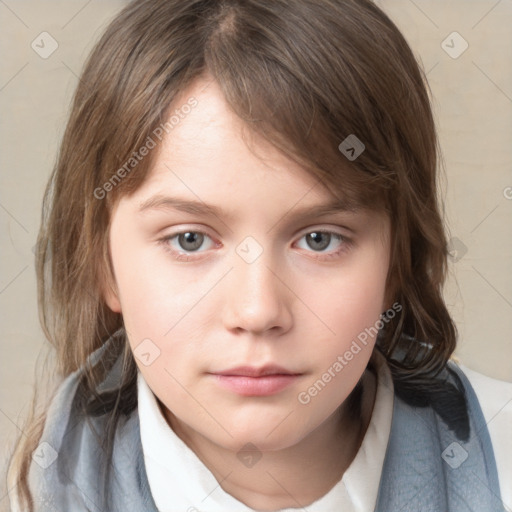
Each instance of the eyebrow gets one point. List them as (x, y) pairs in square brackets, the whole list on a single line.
[(159, 202)]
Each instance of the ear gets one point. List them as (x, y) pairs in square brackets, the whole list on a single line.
[(108, 286), (111, 297), (392, 291)]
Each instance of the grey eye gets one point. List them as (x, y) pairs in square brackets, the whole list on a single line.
[(190, 241), (318, 240)]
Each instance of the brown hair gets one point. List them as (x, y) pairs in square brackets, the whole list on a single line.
[(304, 75)]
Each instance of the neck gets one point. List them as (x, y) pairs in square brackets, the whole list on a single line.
[(282, 479)]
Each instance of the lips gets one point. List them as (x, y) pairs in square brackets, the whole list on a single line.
[(251, 371), (256, 381)]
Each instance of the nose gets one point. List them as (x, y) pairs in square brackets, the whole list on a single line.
[(258, 301)]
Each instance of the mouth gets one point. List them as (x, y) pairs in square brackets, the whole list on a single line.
[(256, 381)]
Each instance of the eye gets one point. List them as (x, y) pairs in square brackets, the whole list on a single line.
[(187, 242), (321, 241)]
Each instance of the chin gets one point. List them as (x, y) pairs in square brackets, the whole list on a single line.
[(258, 443), (258, 435)]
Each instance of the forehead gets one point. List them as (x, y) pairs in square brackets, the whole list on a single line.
[(212, 149), (211, 164)]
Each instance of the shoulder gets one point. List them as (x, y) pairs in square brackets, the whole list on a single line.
[(495, 399), (494, 396), (79, 441)]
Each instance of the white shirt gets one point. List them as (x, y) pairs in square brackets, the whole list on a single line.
[(180, 481)]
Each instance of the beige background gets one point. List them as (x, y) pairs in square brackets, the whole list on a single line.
[(473, 107)]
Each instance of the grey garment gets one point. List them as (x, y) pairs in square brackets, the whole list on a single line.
[(426, 468), (65, 473)]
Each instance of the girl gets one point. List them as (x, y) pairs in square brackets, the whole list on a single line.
[(240, 265)]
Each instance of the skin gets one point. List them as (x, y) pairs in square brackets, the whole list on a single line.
[(296, 305)]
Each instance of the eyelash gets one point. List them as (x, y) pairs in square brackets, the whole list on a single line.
[(345, 244)]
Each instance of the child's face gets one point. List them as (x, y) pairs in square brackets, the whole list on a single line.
[(257, 287)]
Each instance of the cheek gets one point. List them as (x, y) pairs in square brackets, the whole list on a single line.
[(350, 301), (154, 294), (340, 358), (349, 305), (166, 315)]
